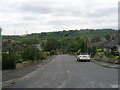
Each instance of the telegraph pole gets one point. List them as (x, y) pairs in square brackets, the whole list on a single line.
[(0, 30), (15, 32), (26, 32)]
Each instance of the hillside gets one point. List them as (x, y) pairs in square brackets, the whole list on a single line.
[(64, 33)]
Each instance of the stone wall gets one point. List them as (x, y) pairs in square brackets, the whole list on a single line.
[(106, 59)]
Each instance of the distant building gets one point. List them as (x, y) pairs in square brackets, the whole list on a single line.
[(112, 45), (37, 46)]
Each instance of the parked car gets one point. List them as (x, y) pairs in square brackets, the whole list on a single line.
[(83, 57)]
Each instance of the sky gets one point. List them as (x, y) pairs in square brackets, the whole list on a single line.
[(19, 17)]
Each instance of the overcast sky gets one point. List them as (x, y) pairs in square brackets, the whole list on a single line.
[(35, 16)]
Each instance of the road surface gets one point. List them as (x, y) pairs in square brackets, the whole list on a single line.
[(65, 72)]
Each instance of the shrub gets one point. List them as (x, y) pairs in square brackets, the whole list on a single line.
[(78, 52), (38, 56), (52, 52), (99, 50), (19, 61), (100, 54), (71, 53), (117, 57), (108, 54), (111, 56), (41, 55), (29, 53), (47, 53), (9, 60)]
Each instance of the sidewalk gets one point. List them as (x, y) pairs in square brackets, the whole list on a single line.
[(18, 73), (105, 64)]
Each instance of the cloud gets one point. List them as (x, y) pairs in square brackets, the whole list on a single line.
[(36, 8), (52, 15)]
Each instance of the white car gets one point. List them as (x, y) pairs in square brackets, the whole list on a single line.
[(83, 57)]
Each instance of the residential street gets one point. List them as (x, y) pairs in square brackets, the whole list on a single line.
[(65, 72)]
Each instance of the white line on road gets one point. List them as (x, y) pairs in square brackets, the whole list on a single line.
[(68, 71), (114, 86)]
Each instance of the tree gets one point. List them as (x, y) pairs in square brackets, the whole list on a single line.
[(29, 53), (107, 36), (73, 47), (96, 39), (30, 40), (51, 44)]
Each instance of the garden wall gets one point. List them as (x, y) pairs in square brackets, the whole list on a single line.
[(106, 59)]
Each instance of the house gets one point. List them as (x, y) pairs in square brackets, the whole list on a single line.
[(37, 46), (112, 45)]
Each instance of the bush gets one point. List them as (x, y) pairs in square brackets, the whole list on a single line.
[(117, 57), (111, 56), (19, 61), (52, 52), (48, 53), (29, 53), (9, 60), (44, 55), (99, 50), (41, 55), (108, 54), (100, 54), (78, 52)]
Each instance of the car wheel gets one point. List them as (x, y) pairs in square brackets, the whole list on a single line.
[(77, 59), (88, 60)]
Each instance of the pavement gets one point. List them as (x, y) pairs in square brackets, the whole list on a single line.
[(105, 64), (10, 76), (64, 71)]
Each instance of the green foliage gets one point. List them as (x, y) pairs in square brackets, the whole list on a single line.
[(30, 40), (78, 52), (111, 56), (41, 55), (70, 33), (9, 60), (92, 50), (96, 39), (78, 43), (72, 41), (108, 54), (99, 50), (52, 52), (48, 53), (19, 61), (51, 44), (73, 47), (100, 54), (29, 53), (107, 36), (117, 57)]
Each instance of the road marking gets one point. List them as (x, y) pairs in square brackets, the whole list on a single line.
[(68, 71), (65, 81), (39, 65), (104, 64), (114, 86), (24, 77), (92, 84), (62, 85)]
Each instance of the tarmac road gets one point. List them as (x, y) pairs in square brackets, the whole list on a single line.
[(65, 72)]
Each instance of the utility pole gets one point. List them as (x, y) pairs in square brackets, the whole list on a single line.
[(26, 32), (15, 32), (0, 30), (0, 34)]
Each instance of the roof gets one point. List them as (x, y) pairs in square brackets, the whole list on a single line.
[(111, 43)]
